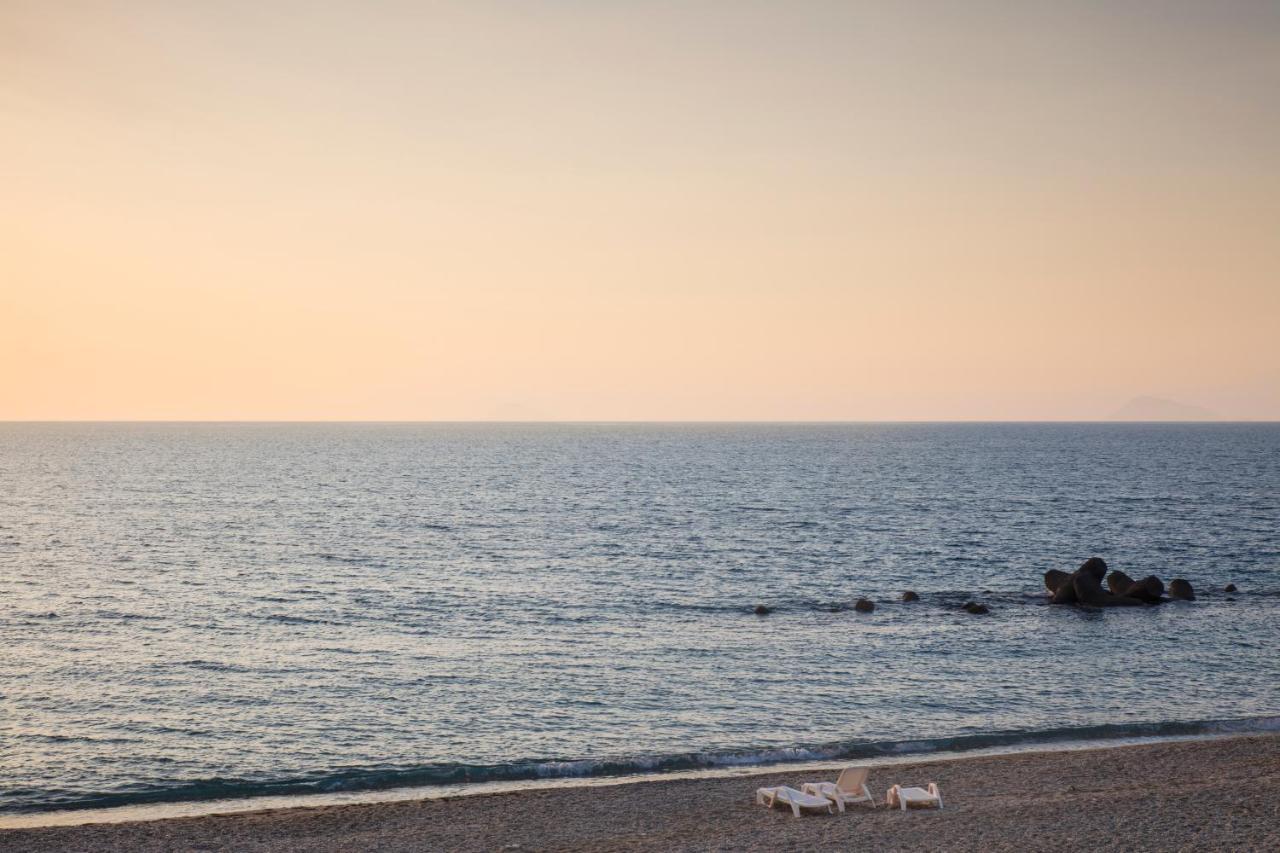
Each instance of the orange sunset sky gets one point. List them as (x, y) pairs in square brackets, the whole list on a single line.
[(612, 210)]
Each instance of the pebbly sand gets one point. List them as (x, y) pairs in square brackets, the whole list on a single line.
[(1202, 795)]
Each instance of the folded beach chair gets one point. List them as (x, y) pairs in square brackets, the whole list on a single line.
[(791, 797), (850, 787), (903, 797)]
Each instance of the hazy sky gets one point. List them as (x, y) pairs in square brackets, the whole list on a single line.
[(637, 210)]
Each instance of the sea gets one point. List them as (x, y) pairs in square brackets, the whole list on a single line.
[(194, 612)]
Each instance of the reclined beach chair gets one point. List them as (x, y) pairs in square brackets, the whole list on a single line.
[(791, 797), (903, 797), (850, 787)]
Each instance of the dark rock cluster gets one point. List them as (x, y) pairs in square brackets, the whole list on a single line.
[(1085, 586)]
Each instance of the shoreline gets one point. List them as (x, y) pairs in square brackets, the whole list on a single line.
[(768, 760), (1206, 792), (552, 772)]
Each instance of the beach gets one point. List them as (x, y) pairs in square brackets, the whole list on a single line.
[(1217, 794)]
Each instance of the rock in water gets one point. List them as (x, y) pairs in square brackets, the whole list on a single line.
[(1088, 587), (1118, 582), (975, 608), (1229, 588), (1095, 566), (1060, 586), (1084, 586), (1149, 589), (1179, 588), (1066, 592), (1054, 579), (910, 595), (763, 610), (863, 605)]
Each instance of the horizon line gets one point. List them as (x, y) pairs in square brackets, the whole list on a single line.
[(636, 421)]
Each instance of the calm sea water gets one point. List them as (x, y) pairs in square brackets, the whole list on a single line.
[(194, 611)]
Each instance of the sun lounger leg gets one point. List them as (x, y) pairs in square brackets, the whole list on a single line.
[(867, 793), (795, 810)]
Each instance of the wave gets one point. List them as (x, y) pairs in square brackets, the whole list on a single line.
[(27, 800)]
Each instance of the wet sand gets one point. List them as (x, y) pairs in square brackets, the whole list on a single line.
[(1203, 795)]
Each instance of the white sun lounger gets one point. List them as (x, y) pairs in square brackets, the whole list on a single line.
[(790, 796), (903, 797), (850, 787)]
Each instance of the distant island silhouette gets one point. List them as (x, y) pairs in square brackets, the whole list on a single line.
[(1159, 409)]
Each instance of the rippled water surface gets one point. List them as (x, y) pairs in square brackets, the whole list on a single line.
[(203, 610)]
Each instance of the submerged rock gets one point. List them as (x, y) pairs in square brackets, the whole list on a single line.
[(1179, 588), (762, 610), (1229, 588), (910, 595), (975, 608), (864, 605)]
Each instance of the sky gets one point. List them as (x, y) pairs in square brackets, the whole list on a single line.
[(625, 210)]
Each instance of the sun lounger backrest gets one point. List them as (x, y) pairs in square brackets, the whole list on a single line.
[(853, 778)]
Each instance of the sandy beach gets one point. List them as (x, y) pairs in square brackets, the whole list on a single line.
[(1219, 794)]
